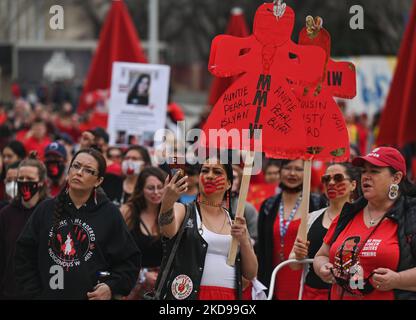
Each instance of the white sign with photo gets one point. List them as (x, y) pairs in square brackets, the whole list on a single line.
[(138, 102)]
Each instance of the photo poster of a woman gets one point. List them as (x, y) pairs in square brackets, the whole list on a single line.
[(138, 102), (140, 89)]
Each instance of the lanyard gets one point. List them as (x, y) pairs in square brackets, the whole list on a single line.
[(285, 226)]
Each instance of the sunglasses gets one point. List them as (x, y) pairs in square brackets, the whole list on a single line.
[(338, 177)]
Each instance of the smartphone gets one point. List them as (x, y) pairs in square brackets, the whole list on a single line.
[(177, 164)]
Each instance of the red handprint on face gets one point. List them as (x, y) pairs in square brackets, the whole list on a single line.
[(210, 186)]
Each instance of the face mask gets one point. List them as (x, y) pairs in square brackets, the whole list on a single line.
[(55, 170), (28, 189), (130, 167), (11, 189)]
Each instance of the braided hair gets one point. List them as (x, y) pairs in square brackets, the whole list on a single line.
[(58, 212)]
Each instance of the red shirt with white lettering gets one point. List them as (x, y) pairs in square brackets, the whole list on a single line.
[(380, 251)]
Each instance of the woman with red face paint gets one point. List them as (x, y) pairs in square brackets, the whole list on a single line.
[(278, 224), (340, 183), (369, 252), (31, 190), (199, 269)]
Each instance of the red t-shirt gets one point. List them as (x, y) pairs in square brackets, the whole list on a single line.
[(380, 251), (287, 280), (33, 144)]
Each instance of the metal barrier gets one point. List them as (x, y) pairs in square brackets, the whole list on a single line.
[(280, 266)]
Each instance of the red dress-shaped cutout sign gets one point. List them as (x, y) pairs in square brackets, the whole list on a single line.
[(262, 98), (326, 132)]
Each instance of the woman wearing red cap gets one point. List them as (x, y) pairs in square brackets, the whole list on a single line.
[(369, 252)]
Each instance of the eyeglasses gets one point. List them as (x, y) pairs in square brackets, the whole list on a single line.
[(77, 167), (338, 177)]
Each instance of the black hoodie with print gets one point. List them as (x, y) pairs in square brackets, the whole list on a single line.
[(64, 263)]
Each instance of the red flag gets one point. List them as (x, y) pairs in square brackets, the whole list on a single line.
[(118, 41), (397, 123), (236, 27)]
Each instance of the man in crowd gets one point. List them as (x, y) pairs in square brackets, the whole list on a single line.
[(55, 162)]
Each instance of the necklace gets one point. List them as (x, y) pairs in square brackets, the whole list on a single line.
[(210, 204), (284, 224), (201, 230), (328, 215), (372, 221)]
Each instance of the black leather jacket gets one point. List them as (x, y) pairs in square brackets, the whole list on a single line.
[(404, 214), (190, 259)]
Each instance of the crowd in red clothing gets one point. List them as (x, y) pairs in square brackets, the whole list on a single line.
[(54, 136)]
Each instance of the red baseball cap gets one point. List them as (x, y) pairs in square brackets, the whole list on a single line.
[(383, 157)]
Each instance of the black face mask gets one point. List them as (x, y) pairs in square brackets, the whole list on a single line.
[(55, 170), (27, 189), (290, 190)]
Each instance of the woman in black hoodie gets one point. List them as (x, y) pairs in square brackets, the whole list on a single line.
[(31, 190), (77, 245)]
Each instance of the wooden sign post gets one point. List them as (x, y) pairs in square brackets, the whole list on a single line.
[(304, 205), (245, 182)]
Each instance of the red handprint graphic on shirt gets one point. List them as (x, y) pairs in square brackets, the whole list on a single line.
[(182, 286)]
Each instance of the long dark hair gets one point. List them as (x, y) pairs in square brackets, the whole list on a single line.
[(59, 204), (133, 91), (137, 202), (17, 147), (33, 161)]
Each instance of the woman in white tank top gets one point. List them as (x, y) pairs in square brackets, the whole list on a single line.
[(214, 226)]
